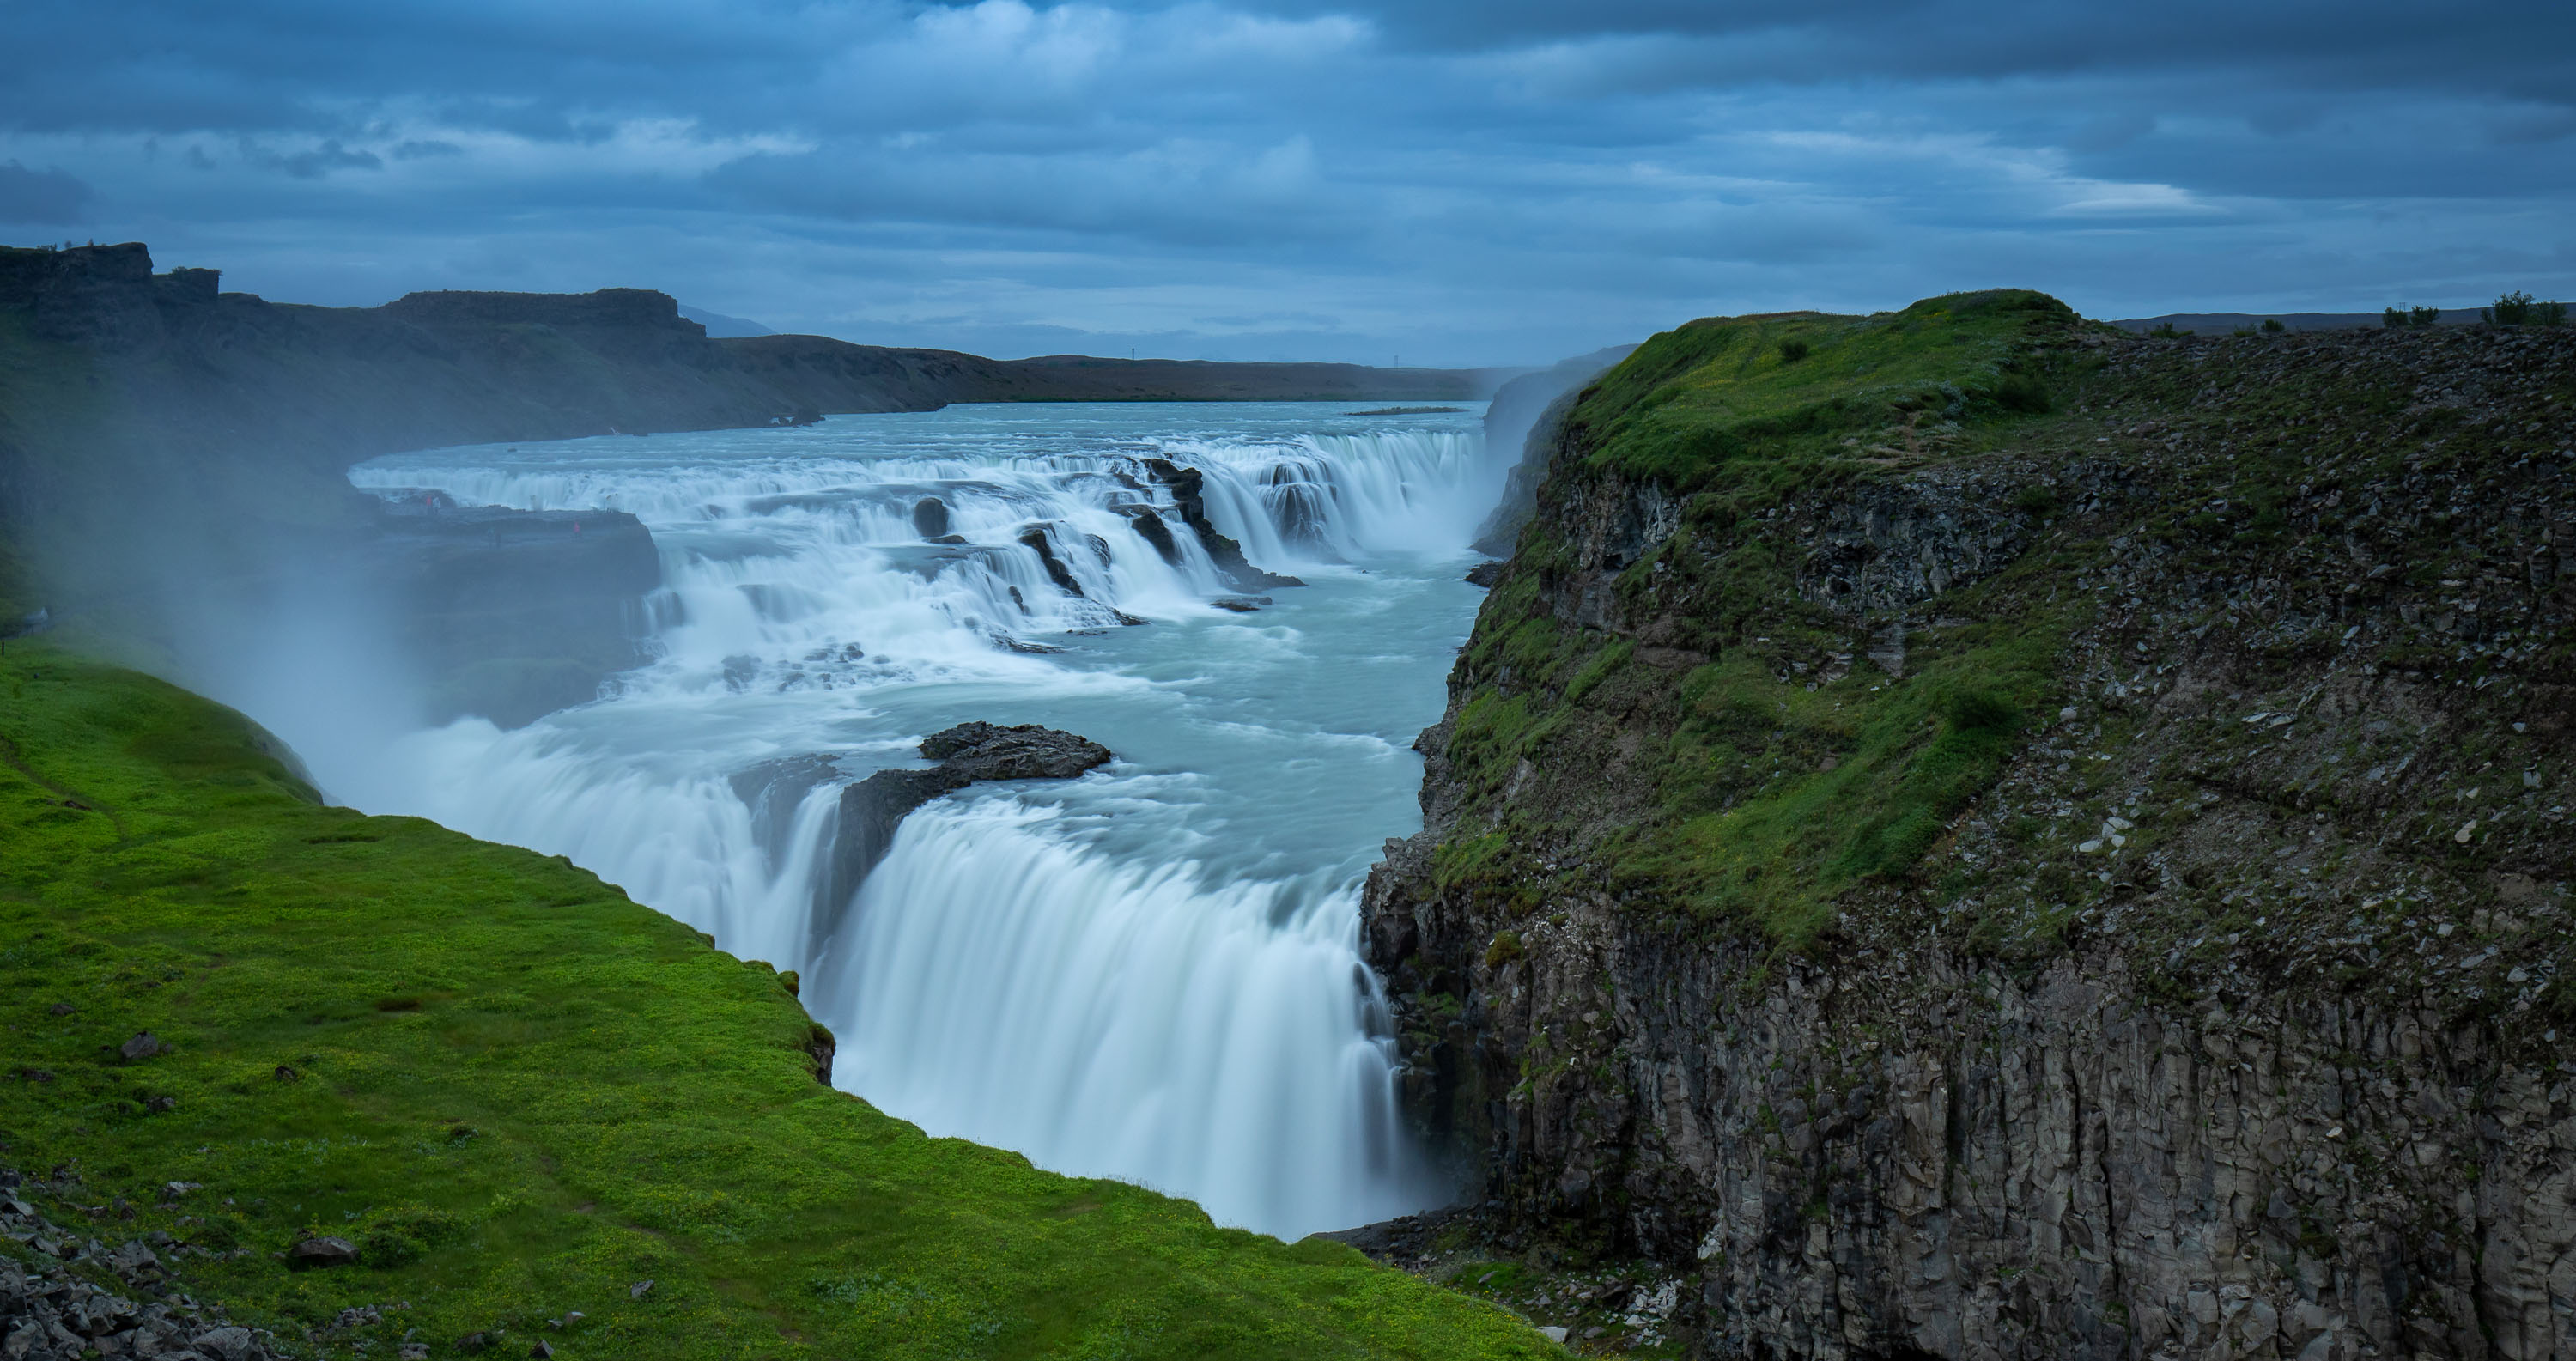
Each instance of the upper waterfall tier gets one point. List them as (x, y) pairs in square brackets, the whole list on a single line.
[(1150, 972)]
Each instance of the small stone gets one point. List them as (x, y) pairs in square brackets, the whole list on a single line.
[(2467, 829), (1552, 1333), (143, 1046), (639, 1290), (473, 1342), (541, 1350), (313, 1252), (2088, 848), (413, 1351), (59, 1009), (573, 1317), (2531, 779), (286, 1074)]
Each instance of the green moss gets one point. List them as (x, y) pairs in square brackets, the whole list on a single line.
[(1777, 790), (519, 1092), (1697, 398)]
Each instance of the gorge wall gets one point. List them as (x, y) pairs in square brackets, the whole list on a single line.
[(1959, 834)]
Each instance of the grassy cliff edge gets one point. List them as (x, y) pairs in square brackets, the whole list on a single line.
[(519, 1094)]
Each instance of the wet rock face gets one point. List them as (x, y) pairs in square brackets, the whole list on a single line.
[(513, 614), (1925, 1154), (1886, 547), (984, 751), (1034, 538), (2293, 1073), (871, 809), (1188, 487)]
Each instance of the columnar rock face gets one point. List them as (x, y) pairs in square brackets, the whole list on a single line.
[(2232, 1014), (511, 614)]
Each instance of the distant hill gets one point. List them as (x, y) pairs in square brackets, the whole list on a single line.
[(722, 327)]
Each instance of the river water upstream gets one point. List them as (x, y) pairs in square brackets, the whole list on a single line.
[(1150, 972)]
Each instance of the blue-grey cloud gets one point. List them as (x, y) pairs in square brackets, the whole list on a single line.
[(41, 196), (1314, 177)]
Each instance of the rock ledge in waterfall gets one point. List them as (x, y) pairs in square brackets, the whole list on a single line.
[(875, 806), (1188, 487)]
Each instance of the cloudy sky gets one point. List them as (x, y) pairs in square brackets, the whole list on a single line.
[(1456, 182)]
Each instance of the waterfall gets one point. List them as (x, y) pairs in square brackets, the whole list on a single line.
[(1118, 1019), (1150, 973)]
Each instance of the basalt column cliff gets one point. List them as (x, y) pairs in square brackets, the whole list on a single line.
[(1962, 834)]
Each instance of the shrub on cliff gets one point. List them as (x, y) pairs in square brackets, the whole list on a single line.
[(2023, 392)]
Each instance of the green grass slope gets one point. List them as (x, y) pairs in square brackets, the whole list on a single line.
[(1784, 771), (519, 1093)]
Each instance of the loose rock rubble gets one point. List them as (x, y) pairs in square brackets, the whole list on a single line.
[(65, 1312)]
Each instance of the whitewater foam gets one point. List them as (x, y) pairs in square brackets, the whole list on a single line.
[(1149, 973)]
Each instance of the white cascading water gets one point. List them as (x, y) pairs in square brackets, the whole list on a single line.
[(1151, 972)]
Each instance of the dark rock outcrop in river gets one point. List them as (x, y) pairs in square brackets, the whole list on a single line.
[(970, 752), (1189, 492)]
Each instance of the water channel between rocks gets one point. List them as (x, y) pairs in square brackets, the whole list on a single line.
[(1150, 972)]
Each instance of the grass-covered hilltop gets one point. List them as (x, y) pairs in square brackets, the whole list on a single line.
[(279, 1079), (1964, 833)]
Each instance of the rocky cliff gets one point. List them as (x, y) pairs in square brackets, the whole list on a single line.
[(1960, 834)]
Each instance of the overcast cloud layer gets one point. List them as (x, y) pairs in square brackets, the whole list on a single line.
[(1461, 183)]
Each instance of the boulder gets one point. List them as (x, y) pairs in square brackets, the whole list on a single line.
[(232, 1343), (313, 1252), (985, 751)]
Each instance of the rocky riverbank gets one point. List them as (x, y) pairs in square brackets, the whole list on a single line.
[(1973, 837)]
